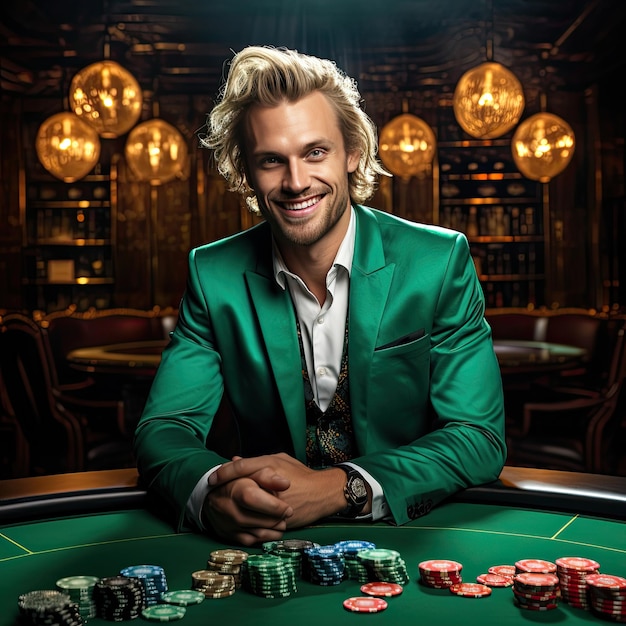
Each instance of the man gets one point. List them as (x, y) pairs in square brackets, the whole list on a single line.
[(351, 345)]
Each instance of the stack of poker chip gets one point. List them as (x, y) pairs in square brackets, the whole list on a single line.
[(572, 573), (213, 584), (384, 565), (80, 590), (292, 550), (119, 598), (440, 573), (354, 569), (228, 562), (536, 592), (269, 576), (48, 606), (152, 578), (325, 565), (607, 596)]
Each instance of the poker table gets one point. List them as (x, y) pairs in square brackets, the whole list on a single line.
[(97, 523)]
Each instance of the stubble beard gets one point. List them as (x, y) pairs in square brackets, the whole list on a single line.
[(309, 234)]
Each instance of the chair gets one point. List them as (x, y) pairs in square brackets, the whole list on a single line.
[(576, 429), (63, 433)]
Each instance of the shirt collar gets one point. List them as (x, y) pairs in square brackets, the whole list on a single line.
[(344, 256)]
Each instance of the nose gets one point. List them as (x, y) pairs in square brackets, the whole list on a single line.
[(296, 178)]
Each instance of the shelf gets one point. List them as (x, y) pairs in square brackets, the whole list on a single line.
[(81, 280), (69, 204), (483, 195), (71, 242)]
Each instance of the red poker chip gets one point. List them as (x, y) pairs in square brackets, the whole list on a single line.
[(470, 590), (440, 565), (535, 596), (607, 581), (530, 579), (365, 604), (494, 580), (536, 566), (382, 589), (527, 607), (503, 570), (578, 563)]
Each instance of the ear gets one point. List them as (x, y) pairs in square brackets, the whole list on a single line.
[(352, 161)]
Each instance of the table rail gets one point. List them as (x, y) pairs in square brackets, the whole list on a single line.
[(65, 494)]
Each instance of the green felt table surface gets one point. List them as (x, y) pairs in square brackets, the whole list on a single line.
[(34, 555)]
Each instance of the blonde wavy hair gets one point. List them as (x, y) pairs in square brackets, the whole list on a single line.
[(267, 76)]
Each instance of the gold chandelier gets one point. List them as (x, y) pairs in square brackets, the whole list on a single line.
[(542, 146), (407, 146), (156, 152), (488, 101), (67, 146), (107, 96)]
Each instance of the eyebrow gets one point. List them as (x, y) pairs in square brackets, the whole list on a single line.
[(305, 148)]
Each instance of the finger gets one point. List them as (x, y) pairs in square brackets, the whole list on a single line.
[(240, 468)]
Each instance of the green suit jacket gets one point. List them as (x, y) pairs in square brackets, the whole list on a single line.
[(427, 413)]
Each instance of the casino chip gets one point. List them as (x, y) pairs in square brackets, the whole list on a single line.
[(365, 605), (470, 590), (384, 565), (228, 562), (440, 573), (48, 606), (503, 570), (325, 565), (381, 589), (494, 580), (119, 598), (80, 590), (213, 584), (536, 592), (269, 576), (354, 568), (607, 596), (535, 566), (152, 578), (184, 597), (572, 573), (163, 613)]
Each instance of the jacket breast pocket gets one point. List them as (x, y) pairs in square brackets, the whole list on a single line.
[(397, 392)]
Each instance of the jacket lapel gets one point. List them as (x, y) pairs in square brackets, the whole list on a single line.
[(370, 282), (276, 316)]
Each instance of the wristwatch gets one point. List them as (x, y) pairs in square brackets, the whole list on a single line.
[(355, 492)]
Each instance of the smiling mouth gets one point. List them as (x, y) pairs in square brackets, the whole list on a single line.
[(301, 204)]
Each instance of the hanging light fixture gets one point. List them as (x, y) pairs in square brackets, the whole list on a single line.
[(156, 152), (407, 145), (107, 96), (542, 146), (67, 146), (488, 99)]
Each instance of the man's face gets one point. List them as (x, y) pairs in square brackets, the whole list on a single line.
[(298, 167)]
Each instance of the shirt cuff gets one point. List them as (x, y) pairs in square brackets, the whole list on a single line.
[(193, 509)]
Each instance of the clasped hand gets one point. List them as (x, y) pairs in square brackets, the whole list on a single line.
[(253, 500)]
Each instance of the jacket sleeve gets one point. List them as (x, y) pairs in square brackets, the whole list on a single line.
[(185, 395)]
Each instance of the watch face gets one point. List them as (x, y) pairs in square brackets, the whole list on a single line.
[(358, 488)]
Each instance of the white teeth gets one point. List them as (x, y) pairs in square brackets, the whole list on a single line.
[(300, 205)]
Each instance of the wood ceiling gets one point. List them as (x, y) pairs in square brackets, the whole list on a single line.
[(180, 47)]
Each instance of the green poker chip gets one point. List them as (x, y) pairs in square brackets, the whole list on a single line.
[(163, 613), (184, 597)]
